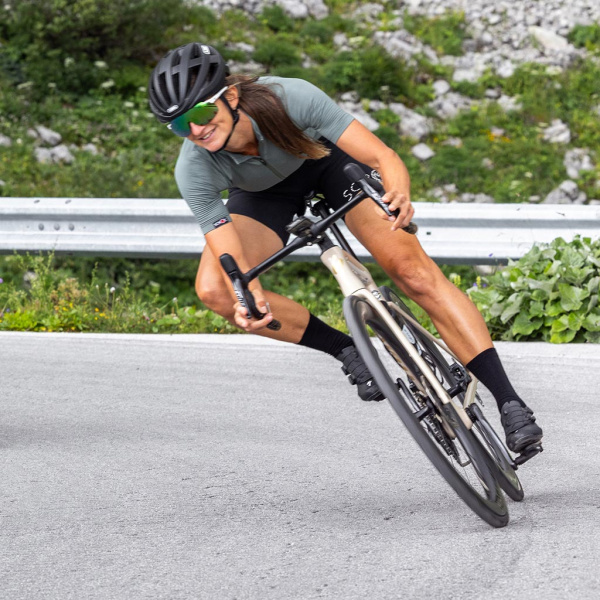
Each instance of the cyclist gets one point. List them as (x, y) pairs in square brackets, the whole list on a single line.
[(269, 141)]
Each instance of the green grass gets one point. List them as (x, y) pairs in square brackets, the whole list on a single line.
[(48, 293), (137, 155), (445, 34)]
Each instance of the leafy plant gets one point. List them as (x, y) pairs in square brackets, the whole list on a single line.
[(67, 39), (550, 294), (372, 72), (275, 19), (585, 36), (445, 34), (277, 51)]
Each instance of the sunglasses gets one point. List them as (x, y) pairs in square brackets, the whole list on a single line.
[(201, 114)]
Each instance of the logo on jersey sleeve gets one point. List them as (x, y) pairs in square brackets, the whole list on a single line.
[(220, 222)]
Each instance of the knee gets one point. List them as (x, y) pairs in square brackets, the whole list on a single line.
[(216, 298), (417, 278)]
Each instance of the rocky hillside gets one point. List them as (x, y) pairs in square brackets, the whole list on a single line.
[(485, 100)]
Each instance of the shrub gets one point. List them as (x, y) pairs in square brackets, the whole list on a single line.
[(275, 19), (550, 294), (317, 31), (276, 51), (444, 34), (58, 41), (585, 36), (372, 72)]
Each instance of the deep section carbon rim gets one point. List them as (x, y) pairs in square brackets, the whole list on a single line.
[(450, 446), (441, 362)]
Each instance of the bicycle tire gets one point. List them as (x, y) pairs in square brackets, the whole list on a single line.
[(499, 457), (480, 491)]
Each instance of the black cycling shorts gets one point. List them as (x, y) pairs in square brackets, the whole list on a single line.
[(277, 206)]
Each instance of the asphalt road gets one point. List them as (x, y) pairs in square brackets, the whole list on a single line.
[(227, 467)]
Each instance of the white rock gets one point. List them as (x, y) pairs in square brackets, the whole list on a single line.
[(566, 193), (340, 40), (470, 75), (54, 155), (440, 87), (350, 97), (48, 136), (506, 69), (412, 124), (548, 39), (453, 141), (476, 198), (557, 133), (296, 10), (509, 103), (577, 160), (422, 152), (91, 148), (43, 155), (369, 11), (62, 154), (492, 93), (317, 8), (449, 105), (358, 112)]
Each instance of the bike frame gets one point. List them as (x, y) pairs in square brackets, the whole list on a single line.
[(355, 279)]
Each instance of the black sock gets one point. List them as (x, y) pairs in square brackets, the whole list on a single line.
[(320, 336), (486, 366)]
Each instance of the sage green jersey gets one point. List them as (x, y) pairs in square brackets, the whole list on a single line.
[(201, 176)]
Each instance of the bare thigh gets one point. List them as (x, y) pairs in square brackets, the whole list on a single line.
[(259, 243)]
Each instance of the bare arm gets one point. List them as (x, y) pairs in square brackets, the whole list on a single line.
[(361, 144)]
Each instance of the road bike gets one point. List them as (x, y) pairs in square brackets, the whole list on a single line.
[(434, 395)]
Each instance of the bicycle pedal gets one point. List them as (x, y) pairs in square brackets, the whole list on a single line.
[(528, 453)]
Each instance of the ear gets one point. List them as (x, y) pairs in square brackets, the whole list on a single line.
[(233, 96)]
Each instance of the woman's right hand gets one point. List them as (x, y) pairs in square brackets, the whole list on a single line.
[(248, 324)]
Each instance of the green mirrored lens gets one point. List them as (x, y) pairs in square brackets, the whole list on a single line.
[(201, 114)]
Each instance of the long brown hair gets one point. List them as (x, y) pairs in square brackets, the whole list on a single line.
[(267, 109)]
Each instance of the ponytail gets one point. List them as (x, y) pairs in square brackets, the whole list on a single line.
[(268, 110)]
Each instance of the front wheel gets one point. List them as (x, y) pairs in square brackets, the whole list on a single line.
[(442, 366), (450, 446)]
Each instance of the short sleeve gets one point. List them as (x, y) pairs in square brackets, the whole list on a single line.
[(200, 184), (311, 108)]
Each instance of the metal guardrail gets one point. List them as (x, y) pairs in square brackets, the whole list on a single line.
[(166, 228)]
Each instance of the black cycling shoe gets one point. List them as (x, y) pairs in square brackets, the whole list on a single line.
[(520, 427), (358, 374)]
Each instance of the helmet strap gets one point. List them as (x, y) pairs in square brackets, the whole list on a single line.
[(236, 117)]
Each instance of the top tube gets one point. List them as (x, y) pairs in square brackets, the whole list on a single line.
[(316, 230)]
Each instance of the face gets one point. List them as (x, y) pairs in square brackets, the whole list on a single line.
[(213, 135)]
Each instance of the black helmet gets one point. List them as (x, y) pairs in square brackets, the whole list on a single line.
[(184, 77)]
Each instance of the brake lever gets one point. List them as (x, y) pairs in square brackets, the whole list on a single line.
[(355, 174), (242, 293)]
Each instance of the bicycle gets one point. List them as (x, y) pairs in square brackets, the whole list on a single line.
[(429, 389)]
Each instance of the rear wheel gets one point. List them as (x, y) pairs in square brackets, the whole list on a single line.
[(448, 373), (455, 452)]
